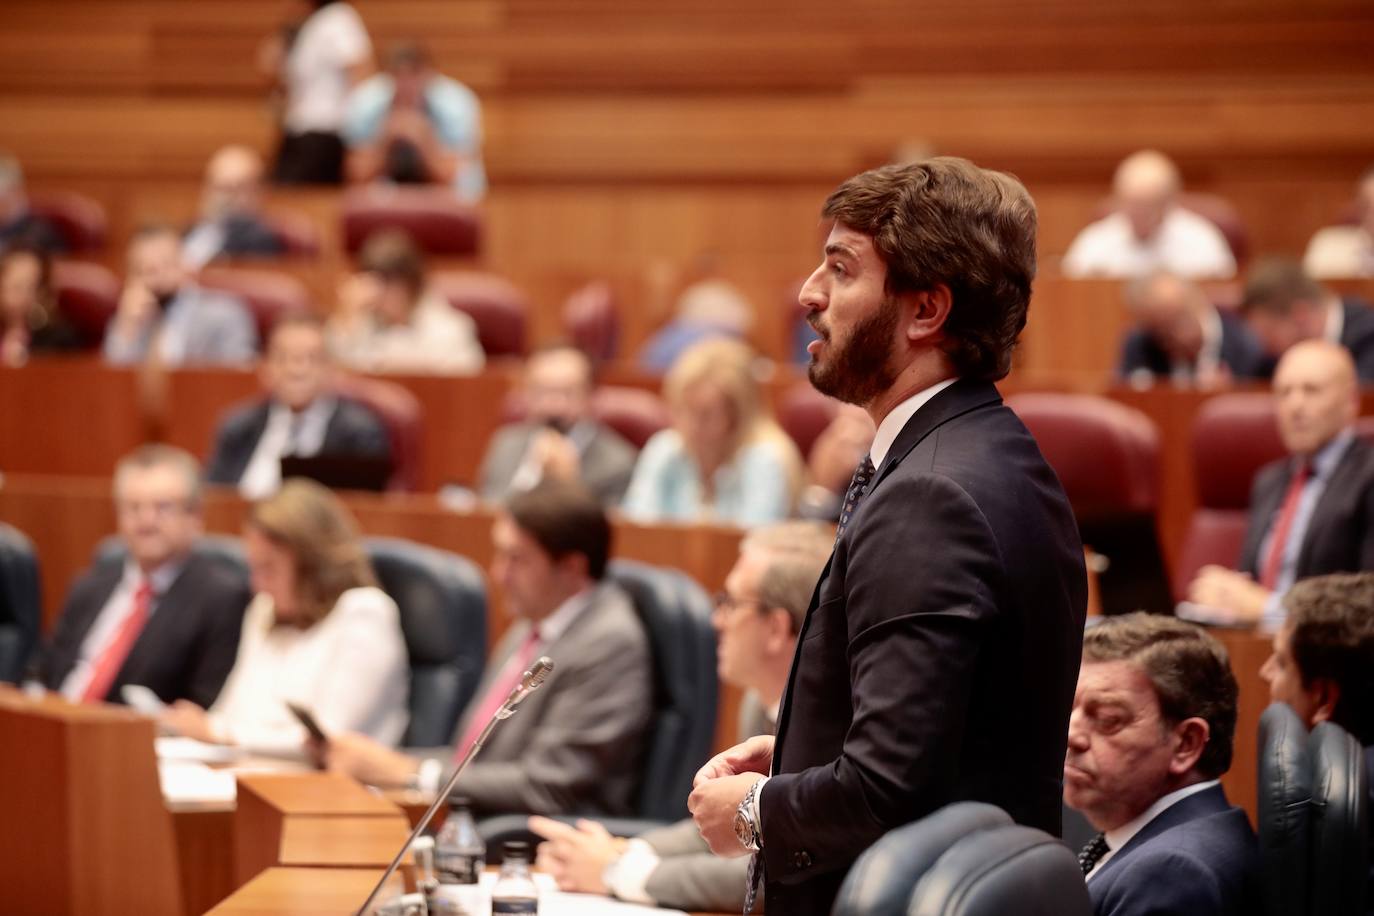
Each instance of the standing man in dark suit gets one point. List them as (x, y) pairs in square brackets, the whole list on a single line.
[(1311, 513), (1283, 306), (1181, 337), (1150, 736), (578, 743), (947, 626), (300, 416), (162, 616), (559, 436)]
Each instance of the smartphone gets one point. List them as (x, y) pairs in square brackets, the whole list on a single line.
[(306, 719)]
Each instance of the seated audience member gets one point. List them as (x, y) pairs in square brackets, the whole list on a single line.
[(1311, 513), (162, 616), (1323, 661), (1283, 305), (301, 415), (724, 459), (577, 744), (19, 224), (1149, 231), (757, 619), (230, 222), (29, 320), (413, 125), (1346, 251), (315, 62), (387, 321), (559, 436), (1181, 337), (318, 634), (838, 450), (1150, 735), (163, 314), (707, 309)]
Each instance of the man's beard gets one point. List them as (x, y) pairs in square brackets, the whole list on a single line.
[(860, 369)]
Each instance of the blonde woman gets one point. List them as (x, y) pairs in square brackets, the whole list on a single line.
[(318, 633), (723, 459)]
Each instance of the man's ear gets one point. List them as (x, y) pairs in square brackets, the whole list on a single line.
[(929, 309), (1190, 736), (1326, 695), (780, 635)]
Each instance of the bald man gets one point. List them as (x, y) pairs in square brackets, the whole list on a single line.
[(1346, 251), (1311, 513), (1147, 230), (1181, 337), (231, 223)]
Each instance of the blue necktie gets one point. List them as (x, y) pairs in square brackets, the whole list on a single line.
[(858, 486)]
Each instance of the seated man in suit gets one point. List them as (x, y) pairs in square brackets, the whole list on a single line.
[(1148, 230), (578, 742), (757, 619), (300, 416), (1150, 735), (230, 222), (162, 616), (1283, 306), (559, 436), (1181, 337), (163, 314), (1313, 512)]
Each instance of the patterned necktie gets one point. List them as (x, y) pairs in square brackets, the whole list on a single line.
[(1092, 853), (858, 486), (1283, 527)]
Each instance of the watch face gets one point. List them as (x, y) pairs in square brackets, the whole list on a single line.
[(742, 831)]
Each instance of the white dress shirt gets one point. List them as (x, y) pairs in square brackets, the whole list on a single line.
[(115, 611), (286, 433), (331, 40), (1123, 834), (350, 670), (897, 418), (1185, 244)]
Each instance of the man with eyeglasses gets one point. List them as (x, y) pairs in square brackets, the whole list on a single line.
[(158, 613), (757, 618)]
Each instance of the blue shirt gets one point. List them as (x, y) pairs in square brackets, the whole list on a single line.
[(452, 108), (751, 489)]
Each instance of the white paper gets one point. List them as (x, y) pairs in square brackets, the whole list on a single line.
[(189, 749), (184, 781)]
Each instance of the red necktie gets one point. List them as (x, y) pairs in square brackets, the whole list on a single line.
[(497, 692), (117, 649), (1278, 544)]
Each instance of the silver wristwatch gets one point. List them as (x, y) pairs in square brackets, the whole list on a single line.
[(746, 829)]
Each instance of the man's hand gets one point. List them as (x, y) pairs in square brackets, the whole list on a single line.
[(752, 756), (1216, 586), (556, 455), (367, 761), (188, 720), (714, 803), (577, 856), (137, 309)]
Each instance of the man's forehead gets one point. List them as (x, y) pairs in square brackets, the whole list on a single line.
[(1121, 680), (845, 240)]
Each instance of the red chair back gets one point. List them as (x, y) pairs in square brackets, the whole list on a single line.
[(499, 308), (299, 235), (268, 294), (591, 319), (435, 219), (634, 413), (400, 412), (804, 413), (80, 219), (87, 296)]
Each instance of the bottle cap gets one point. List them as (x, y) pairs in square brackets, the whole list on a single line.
[(515, 849), (459, 801)]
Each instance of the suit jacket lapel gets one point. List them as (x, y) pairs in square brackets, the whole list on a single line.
[(105, 579), (1201, 804), (171, 612), (1336, 492)]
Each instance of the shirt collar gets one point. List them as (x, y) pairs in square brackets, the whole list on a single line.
[(1335, 319), (1330, 454), (557, 623), (161, 578), (898, 416), (1122, 835)]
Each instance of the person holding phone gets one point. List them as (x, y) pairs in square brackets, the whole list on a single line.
[(319, 635)]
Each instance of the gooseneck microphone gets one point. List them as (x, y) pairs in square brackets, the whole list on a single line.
[(529, 682)]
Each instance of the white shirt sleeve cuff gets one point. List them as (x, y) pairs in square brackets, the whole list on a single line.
[(429, 775), (626, 877)]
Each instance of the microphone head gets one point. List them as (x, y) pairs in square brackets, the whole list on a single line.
[(538, 672)]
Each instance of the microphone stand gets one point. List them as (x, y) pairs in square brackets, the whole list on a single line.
[(531, 680)]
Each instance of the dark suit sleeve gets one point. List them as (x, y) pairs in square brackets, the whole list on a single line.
[(1132, 357), (913, 635), (1164, 884), (1367, 513), (58, 655), (223, 467), (226, 599)]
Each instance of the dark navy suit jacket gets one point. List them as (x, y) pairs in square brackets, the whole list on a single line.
[(946, 629), (1198, 858), (1240, 351)]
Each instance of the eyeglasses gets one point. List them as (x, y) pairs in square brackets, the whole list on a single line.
[(725, 603), (162, 508)]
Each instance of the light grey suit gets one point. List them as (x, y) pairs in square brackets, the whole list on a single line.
[(607, 461), (200, 326), (576, 745), (689, 876)]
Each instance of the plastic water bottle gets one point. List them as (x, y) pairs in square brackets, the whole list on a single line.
[(459, 852), (514, 891)]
